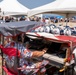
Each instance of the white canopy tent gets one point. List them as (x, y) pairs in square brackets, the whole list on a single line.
[(66, 8), (12, 7)]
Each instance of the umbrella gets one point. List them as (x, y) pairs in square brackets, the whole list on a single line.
[(15, 28)]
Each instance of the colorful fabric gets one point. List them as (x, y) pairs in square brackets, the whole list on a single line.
[(11, 54)]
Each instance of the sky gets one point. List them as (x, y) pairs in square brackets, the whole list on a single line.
[(33, 3)]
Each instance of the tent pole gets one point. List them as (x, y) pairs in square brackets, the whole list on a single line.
[(17, 52), (2, 39), (3, 16), (67, 19)]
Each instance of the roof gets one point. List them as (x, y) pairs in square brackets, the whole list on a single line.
[(13, 7), (61, 7)]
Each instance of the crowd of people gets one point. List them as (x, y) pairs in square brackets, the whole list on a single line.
[(33, 18)]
